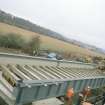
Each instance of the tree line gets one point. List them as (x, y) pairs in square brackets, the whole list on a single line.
[(16, 41), (25, 24)]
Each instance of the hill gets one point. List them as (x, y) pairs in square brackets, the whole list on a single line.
[(25, 24), (49, 42)]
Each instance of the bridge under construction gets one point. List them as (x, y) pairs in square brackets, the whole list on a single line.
[(24, 79)]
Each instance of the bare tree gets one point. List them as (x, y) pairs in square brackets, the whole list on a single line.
[(34, 45)]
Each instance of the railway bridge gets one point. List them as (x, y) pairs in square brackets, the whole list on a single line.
[(24, 79)]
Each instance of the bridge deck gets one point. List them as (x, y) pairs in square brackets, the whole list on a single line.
[(28, 79)]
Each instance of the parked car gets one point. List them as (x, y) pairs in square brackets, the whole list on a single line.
[(54, 56)]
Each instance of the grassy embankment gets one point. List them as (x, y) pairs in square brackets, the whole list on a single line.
[(48, 42)]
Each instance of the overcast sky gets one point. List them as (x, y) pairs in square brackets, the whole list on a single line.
[(83, 20)]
